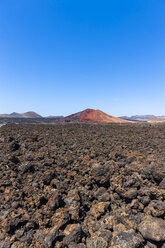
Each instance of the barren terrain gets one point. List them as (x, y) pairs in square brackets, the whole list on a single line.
[(82, 185)]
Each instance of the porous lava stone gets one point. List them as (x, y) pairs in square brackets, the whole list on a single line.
[(82, 185)]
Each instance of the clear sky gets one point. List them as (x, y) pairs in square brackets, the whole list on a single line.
[(61, 56)]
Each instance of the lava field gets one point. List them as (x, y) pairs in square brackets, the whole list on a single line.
[(80, 185)]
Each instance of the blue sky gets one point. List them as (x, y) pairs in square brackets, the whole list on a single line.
[(62, 56)]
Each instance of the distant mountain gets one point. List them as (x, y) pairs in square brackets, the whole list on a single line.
[(29, 114), (138, 117), (92, 115), (55, 117), (158, 119), (143, 117)]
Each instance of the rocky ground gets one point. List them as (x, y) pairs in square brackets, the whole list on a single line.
[(82, 185)]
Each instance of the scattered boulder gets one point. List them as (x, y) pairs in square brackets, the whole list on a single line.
[(152, 228), (55, 200), (127, 240), (162, 184), (27, 166), (72, 201), (158, 172), (131, 194), (60, 218), (96, 242), (73, 234), (99, 209)]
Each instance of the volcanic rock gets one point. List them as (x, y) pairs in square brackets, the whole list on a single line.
[(127, 240), (162, 184), (55, 199), (79, 185), (152, 228), (96, 242)]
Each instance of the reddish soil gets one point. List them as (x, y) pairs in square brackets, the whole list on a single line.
[(92, 115)]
